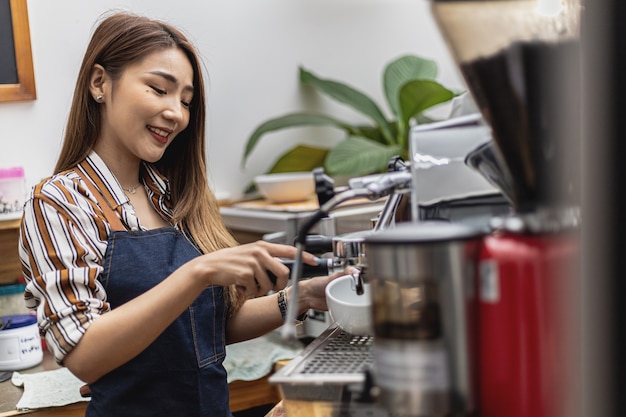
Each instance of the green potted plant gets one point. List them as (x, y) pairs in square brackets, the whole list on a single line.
[(410, 89)]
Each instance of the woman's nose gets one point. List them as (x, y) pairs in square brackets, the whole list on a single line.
[(175, 111)]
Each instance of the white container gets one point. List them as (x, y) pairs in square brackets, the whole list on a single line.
[(351, 312), (12, 192), (286, 187), (20, 343)]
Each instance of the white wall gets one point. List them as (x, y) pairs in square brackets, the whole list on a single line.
[(251, 49)]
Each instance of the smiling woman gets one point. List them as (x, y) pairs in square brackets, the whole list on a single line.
[(17, 80), (136, 281)]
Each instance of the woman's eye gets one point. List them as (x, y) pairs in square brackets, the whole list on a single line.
[(158, 90), (186, 104)]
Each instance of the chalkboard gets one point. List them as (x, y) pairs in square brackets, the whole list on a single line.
[(8, 62), (17, 78)]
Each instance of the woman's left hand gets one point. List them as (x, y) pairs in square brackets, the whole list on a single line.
[(313, 291)]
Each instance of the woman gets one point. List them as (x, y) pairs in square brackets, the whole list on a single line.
[(137, 283)]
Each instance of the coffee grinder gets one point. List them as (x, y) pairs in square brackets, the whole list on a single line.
[(519, 59)]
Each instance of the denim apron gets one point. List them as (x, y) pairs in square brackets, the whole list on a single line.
[(181, 373)]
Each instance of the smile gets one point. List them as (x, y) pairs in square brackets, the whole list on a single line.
[(160, 134)]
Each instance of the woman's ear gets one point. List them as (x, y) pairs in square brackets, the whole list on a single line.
[(97, 80)]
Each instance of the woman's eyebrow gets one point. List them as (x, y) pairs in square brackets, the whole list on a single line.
[(169, 77)]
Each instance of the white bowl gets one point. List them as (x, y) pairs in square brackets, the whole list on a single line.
[(286, 187), (351, 312)]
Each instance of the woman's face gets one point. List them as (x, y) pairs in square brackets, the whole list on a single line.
[(147, 107)]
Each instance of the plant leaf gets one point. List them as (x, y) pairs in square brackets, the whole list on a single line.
[(417, 96), (292, 120), (402, 70), (373, 133), (359, 156), (351, 97), (302, 158)]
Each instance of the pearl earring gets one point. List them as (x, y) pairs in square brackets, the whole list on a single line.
[(99, 98)]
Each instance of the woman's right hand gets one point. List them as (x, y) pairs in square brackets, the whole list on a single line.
[(246, 267)]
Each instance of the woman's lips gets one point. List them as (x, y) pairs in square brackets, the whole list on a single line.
[(159, 134)]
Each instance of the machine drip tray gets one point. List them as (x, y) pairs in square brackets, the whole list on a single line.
[(344, 355), (329, 377), (333, 357)]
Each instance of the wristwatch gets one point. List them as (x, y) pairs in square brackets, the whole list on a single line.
[(282, 306)]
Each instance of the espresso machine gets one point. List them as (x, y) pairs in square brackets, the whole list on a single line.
[(519, 59), (419, 360)]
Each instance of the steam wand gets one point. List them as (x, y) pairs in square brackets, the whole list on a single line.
[(372, 187)]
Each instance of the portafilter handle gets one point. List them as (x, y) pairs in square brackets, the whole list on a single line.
[(323, 268), (318, 244)]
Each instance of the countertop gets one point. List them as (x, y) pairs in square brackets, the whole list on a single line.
[(243, 395), (10, 395)]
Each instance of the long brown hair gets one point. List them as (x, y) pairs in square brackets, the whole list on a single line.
[(122, 39)]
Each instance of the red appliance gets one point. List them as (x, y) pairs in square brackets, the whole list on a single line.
[(525, 343)]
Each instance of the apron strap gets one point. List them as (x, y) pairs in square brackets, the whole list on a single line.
[(109, 213)]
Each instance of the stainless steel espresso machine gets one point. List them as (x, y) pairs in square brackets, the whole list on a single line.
[(419, 359)]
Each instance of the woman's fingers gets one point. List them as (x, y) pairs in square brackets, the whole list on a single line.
[(290, 252), (254, 267)]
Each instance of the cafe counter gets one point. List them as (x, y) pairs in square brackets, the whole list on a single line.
[(243, 395)]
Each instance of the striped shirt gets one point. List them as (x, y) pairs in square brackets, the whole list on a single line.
[(63, 239)]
